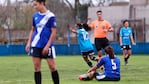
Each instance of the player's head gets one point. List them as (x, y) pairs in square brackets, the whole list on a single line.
[(125, 23), (39, 4), (78, 26), (99, 14), (86, 27), (109, 50)]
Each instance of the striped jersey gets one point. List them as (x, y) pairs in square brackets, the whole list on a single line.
[(42, 23)]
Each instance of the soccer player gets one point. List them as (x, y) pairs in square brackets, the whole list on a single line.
[(126, 39), (40, 42), (101, 27), (111, 64), (85, 44)]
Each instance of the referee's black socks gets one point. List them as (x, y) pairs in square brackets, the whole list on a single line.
[(37, 77), (55, 77)]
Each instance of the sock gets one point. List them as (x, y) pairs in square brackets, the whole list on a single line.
[(89, 63), (55, 77), (94, 58), (37, 77), (126, 60)]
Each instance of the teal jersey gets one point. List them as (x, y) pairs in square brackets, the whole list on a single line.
[(125, 33), (84, 40)]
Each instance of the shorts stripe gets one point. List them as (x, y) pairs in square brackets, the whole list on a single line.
[(53, 52), (100, 77)]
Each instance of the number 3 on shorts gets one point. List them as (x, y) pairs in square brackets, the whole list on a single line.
[(113, 64)]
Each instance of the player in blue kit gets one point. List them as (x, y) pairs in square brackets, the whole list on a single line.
[(40, 42), (85, 44), (111, 64), (126, 38)]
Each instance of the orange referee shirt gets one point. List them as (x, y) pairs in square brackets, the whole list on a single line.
[(99, 27)]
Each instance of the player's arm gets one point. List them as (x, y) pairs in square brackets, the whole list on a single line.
[(120, 37), (90, 24), (110, 29), (51, 39), (100, 63), (29, 39), (132, 40), (88, 20), (92, 69), (73, 30)]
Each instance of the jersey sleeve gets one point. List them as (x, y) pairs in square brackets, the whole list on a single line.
[(78, 31), (130, 30), (92, 25), (108, 25), (33, 21), (52, 22), (100, 63), (121, 30)]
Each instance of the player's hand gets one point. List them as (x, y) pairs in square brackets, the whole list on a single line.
[(133, 43), (45, 50), (27, 48), (88, 18), (105, 30), (110, 30)]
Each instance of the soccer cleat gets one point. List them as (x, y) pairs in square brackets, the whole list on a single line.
[(126, 62), (84, 77)]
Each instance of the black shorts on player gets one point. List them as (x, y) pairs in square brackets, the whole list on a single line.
[(101, 43), (89, 53), (127, 47), (37, 52)]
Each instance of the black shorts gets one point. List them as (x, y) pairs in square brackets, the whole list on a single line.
[(37, 52), (89, 53), (127, 47), (101, 43)]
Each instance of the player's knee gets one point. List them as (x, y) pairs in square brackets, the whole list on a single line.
[(52, 68), (37, 69)]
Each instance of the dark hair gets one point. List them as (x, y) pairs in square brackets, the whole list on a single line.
[(125, 21), (86, 27), (99, 11), (109, 50), (79, 25), (41, 1)]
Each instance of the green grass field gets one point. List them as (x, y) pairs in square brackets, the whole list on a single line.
[(19, 70)]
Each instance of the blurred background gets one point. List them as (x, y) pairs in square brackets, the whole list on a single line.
[(16, 22)]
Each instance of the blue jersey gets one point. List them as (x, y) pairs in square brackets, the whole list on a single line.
[(84, 40), (42, 23), (112, 66), (125, 33)]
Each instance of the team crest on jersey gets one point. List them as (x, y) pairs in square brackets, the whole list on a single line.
[(96, 26), (39, 25)]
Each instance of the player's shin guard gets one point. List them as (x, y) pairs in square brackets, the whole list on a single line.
[(37, 77), (89, 63), (94, 59), (55, 77)]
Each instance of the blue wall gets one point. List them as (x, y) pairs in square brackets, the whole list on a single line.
[(73, 49)]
